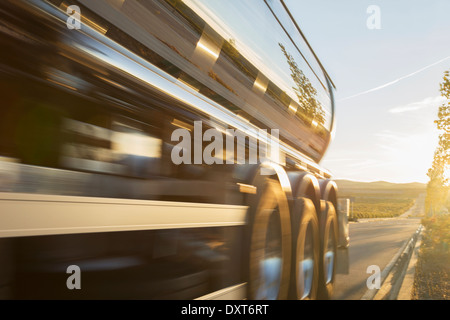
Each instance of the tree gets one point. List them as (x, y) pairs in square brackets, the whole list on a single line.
[(304, 90), (437, 187), (443, 122)]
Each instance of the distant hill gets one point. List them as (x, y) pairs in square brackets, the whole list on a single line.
[(378, 185), (379, 199)]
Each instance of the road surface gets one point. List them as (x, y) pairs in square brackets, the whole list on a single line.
[(372, 242)]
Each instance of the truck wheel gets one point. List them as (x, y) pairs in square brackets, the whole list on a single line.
[(305, 253), (328, 250), (269, 244)]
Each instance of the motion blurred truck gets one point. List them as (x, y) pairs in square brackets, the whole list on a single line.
[(163, 149)]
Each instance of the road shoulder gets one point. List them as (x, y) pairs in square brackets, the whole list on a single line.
[(405, 292)]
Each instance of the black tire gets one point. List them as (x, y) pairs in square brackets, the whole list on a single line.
[(306, 250), (269, 242), (328, 250)]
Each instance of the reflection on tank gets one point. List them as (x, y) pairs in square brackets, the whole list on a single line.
[(311, 108)]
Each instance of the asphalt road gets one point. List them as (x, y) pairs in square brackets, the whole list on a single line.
[(372, 242)]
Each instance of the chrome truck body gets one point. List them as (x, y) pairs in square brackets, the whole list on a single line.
[(93, 92)]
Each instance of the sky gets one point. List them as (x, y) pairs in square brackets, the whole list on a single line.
[(387, 82)]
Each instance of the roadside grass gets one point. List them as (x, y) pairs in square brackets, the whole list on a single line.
[(432, 277), (377, 204)]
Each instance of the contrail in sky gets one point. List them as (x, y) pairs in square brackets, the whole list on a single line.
[(395, 81)]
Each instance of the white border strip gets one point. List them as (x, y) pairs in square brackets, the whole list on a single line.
[(237, 292), (33, 215)]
